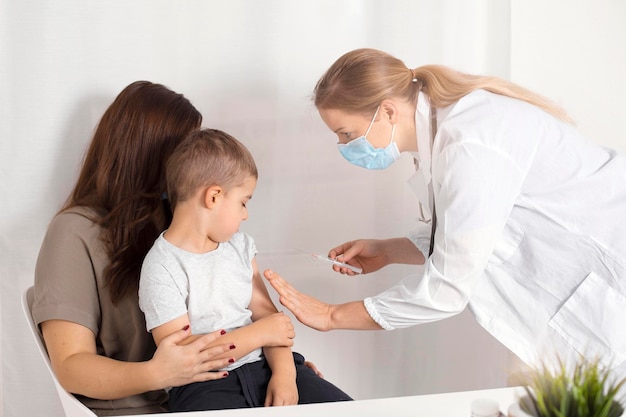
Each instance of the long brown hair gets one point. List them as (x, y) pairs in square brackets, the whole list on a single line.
[(123, 175), (360, 79)]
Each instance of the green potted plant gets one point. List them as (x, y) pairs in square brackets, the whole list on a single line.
[(587, 390)]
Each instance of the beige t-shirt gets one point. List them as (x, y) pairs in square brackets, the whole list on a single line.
[(69, 285)]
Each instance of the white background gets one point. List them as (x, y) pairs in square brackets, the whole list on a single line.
[(250, 67)]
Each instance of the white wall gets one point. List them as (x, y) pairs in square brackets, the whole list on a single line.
[(250, 67), (575, 53)]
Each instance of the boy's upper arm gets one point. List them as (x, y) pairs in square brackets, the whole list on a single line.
[(161, 298), (261, 304), (166, 329)]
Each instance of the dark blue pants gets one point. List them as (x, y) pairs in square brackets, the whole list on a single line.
[(246, 387)]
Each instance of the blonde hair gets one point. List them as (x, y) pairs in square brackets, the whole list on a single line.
[(207, 157), (360, 79)]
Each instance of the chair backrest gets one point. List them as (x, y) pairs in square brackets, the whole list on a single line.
[(71, 406)]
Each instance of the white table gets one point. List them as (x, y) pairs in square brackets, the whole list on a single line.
[(455, 404)]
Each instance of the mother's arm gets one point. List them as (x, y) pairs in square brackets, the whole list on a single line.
[(80, 370), (272, 330)]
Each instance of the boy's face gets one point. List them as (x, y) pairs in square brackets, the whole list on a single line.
[(232, 210)]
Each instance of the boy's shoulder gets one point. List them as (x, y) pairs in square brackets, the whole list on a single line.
[(241, 238), (242, 242), (158, 252)]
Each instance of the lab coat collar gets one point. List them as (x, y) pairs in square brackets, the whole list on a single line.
[(421, 180), (422, 127)]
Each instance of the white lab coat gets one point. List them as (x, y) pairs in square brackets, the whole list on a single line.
[(531, 232)]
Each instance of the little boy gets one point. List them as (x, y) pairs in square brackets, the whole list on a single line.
[(202, 272)]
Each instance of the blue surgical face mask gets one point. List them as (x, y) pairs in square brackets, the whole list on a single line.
[(361, 153)]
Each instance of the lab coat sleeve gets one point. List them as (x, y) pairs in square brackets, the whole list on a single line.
[(420, 237), (475, 187)]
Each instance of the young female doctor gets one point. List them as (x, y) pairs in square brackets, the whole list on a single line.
[(522, 216)]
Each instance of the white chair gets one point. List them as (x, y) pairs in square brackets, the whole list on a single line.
[(71, 406)]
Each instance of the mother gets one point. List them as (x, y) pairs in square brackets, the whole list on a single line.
[(87, 273)]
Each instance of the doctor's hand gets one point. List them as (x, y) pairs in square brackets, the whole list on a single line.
[(308, 310), (368, 254), (373, 254)]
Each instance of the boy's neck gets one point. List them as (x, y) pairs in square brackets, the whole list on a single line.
[(186, 232)]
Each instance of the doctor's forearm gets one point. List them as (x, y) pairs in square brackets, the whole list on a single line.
[(351, 316), (402, 251)]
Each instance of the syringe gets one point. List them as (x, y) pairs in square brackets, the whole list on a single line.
[(335, 262)]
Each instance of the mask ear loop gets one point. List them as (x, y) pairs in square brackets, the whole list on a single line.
[(371, 123), (393, 131)]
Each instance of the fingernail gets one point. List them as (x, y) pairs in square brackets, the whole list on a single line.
[(232, 346), (186, 327), (225, 374), (231, 360), (223, 332)]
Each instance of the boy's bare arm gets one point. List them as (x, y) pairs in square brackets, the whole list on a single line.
[(282, 388), (261, 304), (273, 330)]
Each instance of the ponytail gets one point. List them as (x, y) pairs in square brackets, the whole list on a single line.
[(359, 80), (444, 86)]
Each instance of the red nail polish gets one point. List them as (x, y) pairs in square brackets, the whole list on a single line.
[(231, 360), (186, 327), (223, 332), (232, 346), (225, 373)]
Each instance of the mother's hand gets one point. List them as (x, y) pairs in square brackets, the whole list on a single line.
[(308, 310), (180, 364)]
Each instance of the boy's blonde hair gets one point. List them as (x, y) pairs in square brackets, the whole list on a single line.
[(204, 158), (360, 79)]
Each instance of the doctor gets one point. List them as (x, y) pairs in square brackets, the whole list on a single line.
[(522, 216)]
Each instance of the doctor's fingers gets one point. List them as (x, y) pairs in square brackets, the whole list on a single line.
[(347, 250), (277, 282), (288, 294), (343, 270), (340, 250)]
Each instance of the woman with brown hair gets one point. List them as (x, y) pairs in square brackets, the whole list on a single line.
[(521, 215), (87, 272)]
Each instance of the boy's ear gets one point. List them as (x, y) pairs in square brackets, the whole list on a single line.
[(212, 194)]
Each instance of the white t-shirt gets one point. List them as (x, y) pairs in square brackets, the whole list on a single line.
[(214, 288)]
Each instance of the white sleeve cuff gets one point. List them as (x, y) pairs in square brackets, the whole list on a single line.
[(371, 310)]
